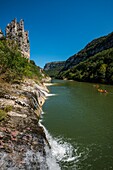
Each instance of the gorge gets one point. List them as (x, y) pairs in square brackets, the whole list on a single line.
[(72, 130)]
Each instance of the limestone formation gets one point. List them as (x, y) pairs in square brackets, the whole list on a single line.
[(15, 31)]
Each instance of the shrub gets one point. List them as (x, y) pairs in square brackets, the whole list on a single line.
[(8, 108), (2, 114)]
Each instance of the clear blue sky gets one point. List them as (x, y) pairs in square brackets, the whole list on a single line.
[(59, 28)]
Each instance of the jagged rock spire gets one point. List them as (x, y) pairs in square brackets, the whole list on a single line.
[(15, 31)]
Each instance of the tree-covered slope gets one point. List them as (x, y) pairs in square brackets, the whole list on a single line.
[(98, 68)]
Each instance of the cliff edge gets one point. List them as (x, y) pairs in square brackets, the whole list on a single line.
[(22, 94)]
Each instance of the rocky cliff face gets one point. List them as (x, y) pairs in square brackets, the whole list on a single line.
[(94, 47), (53, 65), (53, 68), (15, 31)]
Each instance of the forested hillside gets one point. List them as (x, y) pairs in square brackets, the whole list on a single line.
[(98, 68)]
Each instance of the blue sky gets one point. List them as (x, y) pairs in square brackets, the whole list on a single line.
[(59, 28)]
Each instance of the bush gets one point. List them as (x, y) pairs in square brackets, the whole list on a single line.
[(2, 114), (8, 108)]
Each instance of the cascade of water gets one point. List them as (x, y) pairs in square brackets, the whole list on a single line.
[(61, 152)]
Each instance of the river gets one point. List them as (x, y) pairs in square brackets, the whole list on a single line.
[(79, 126)]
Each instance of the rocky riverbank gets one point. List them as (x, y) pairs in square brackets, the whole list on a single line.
[(22, 139)]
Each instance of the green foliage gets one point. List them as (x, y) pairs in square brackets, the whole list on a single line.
[(8, 108), (52, 72), (98, 68), (13, 67), (2, 114)]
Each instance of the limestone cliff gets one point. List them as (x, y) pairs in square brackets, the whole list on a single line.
[(53, 68)]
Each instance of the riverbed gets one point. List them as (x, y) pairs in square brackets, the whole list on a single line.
[(79, 126)]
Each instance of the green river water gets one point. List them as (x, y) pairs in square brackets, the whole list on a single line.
[(79, 120)]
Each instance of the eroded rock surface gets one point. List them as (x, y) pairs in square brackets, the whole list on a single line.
[(22, 139)]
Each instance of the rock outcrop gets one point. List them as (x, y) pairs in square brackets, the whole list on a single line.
[(15, 31), (22, 139)]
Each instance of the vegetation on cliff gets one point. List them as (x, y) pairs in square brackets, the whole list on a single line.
[(13, 67)]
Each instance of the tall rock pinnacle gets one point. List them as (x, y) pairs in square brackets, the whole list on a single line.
[(15, 31)]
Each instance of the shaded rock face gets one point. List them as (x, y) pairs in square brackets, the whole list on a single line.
[(54, 68), (94, 47), (22, 139), (15, 31), (53, 65)]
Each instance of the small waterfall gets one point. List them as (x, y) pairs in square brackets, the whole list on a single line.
[(50, 159), (48, 94), (61, 153)]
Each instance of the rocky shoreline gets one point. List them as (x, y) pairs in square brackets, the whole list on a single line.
[(22, 139)]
